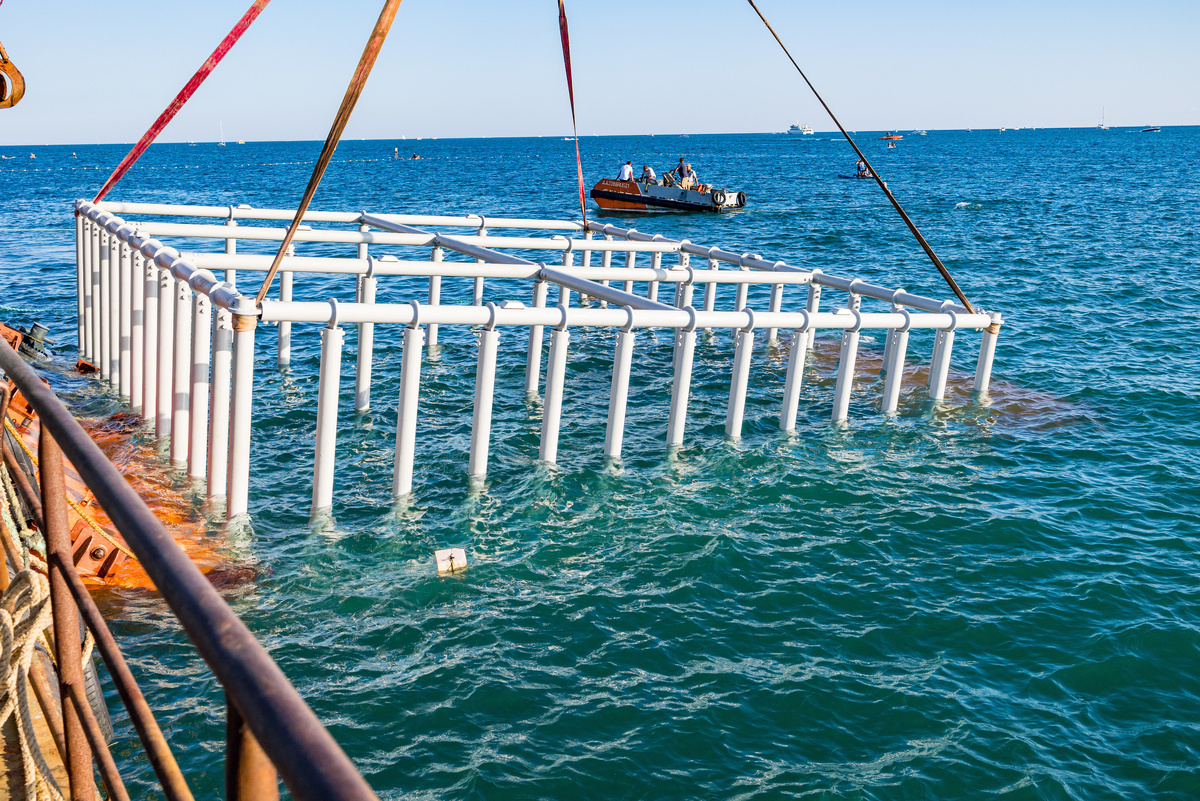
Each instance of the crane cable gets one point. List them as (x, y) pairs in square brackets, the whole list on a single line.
[(874, 174), (363, 71), (566, 46), (184, 95)]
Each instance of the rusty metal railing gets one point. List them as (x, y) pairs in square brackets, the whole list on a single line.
[(271, 733)]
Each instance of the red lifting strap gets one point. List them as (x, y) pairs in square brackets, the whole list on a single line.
[(184, 95), (566, 45)]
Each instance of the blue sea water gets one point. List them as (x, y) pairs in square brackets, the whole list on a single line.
[(983, 598)]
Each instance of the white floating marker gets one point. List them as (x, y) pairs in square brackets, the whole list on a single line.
[(450, 560)]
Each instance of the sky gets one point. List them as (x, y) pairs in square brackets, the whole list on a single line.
[(101, 72)]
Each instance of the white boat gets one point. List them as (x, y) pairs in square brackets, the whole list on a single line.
[(804, 129), (1102, 126), (919, 132)]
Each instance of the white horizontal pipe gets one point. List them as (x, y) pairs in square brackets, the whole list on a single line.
[(421, 268), (667, 317)]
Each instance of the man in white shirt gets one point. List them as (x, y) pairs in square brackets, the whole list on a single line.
[(626, 172), (648, 174)]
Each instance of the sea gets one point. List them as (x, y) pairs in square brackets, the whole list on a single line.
[(987, 597)]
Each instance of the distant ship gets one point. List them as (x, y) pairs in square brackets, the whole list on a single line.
[(801, 129), (1152, 129), (919, 132), (1102, 126)]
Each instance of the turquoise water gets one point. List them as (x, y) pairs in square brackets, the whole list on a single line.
[(973, 600)]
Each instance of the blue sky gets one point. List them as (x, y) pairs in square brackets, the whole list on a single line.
[(101, 72)]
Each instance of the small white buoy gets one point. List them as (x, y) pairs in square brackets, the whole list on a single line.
[(450, 560)]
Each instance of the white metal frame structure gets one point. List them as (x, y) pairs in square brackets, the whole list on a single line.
[(178, 343)]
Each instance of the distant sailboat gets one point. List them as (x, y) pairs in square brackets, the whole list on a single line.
[(222, 142), (1102, 126)]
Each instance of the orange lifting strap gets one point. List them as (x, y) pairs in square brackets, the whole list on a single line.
[(12, 83)]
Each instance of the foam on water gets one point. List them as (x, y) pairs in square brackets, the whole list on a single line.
[(975, 598)]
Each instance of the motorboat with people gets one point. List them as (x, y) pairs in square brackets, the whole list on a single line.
[(612, 194), (891, 137), (678, 188), (801, 130)]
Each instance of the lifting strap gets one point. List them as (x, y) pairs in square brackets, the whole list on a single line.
[(12, 82), (566, 46), (184, 95), (365, 63), (874, 173)]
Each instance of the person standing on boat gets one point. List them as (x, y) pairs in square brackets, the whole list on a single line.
[(679, 169), (648, 174), (626, 172), (687, 178)]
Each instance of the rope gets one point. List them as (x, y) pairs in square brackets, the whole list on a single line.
[(184, 95), (874, 173), (25, 617), (566, 46), (79, 510), (22, 532), (24, 614), (365, 63)]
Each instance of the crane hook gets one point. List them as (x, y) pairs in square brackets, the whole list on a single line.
[(12, 82)]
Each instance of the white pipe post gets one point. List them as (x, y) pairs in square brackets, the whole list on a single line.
[(556, 373), (284, 358), (740, 298), (80, 303), (655, 264), (795, 379), (618, 398), (477, 295), (776, 305), (739, 381), (137, 329), (114, 310), (85, 340), (361, 251), (846, 365), (230, 250), (685, 349), (895, 371), (166, 351), (406, 418), (813, 306), (201, 354), (435, 297), (485, 390), (987, 355), (182, 371), (105, 308), (684, 290), (606, 263), (586, 260), (630, 264), (533, 356), (237, 493), (941, 361), (218, 414), (933, 362), (710, 289), (97, 291), (564, 294), (125, 323), (328, 388), (150, 341), (366, 347), (889, 339)]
